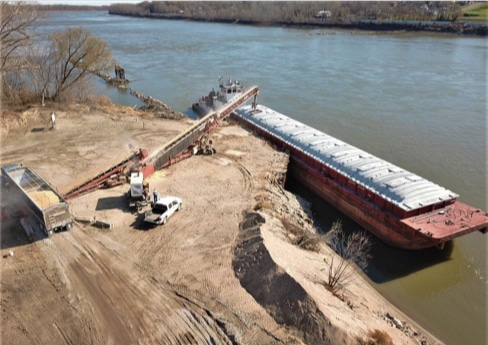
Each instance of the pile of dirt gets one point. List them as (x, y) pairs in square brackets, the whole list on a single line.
[(278, 292)]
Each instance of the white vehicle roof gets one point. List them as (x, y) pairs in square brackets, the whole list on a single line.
[(167, 199)]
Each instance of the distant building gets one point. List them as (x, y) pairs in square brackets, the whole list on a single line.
[(323, 14)]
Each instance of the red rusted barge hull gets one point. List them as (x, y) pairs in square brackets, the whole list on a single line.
[(399, 207), (418, 232)]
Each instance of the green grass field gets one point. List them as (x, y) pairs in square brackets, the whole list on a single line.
[(475, 13)]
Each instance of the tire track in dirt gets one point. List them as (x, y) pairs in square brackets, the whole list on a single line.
[(94, 292), (131, 306), (42, 291), (252, 324), (112, 293)]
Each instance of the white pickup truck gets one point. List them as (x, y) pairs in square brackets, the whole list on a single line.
[(162, 210)]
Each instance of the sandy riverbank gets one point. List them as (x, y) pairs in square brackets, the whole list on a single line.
[(218, 272)]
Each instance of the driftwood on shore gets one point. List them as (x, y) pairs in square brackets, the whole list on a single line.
[(152, 105), (119, 82), (156, 106)]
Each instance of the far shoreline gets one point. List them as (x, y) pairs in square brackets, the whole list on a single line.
[(459, 28), (387, 26)]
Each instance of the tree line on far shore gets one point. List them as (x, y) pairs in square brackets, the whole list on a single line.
[(294, 12)]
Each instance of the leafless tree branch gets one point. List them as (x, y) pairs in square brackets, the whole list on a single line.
[(349, 249)]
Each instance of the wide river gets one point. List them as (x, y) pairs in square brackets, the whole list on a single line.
[(417, 100)]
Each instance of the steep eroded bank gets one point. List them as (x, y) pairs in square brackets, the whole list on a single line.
[(279, 293)]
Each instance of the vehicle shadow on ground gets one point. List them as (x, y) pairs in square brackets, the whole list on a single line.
[(113, 202), (12, 234), (140, 224), (121, 202)]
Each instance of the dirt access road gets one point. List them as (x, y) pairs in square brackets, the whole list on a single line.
[(216, 273)]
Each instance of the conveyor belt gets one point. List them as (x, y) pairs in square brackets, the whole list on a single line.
[(175, 149), (196, 136), (99, 178)]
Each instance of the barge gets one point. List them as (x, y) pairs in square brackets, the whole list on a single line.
[(399, 207)]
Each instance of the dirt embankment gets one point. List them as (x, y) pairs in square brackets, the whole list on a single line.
[(278, 292), (211, 275)]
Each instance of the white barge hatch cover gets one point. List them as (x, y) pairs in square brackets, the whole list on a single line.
[(402, 188)]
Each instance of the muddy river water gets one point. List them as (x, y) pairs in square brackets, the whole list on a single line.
[(417, 100)]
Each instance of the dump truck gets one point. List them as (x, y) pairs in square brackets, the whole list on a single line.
[(34, 196), (138, 193)]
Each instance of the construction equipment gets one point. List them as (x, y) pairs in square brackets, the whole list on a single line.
[(138, 193), (195, 139), (111, 176)]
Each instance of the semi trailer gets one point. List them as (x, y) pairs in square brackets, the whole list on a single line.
[(34, 196)]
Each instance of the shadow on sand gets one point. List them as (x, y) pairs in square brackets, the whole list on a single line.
[(140, 224), (113, 202), (14, 235)]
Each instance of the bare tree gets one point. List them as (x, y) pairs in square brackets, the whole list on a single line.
[(15, 89), (39, 70), (16, 19), (16, 32), (74, 54), (59, 66), (349, 249)]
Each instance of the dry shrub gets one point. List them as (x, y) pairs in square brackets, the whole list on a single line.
[(375, 337), (103, 104), (80, 92), (290, 227), (310, 242), (301, 237), (102, 101), (263, 202), (349, 250), (263, 205)]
